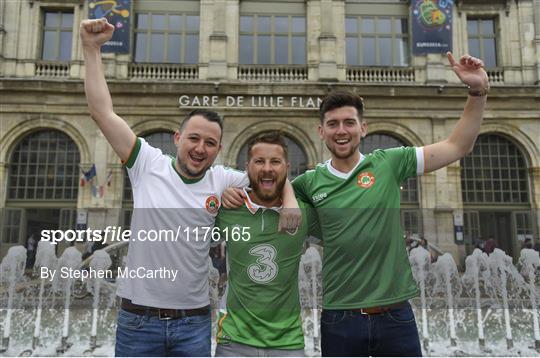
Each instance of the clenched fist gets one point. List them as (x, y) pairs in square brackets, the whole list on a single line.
[(95, 33)]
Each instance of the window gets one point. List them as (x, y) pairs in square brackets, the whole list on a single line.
[(11, 222), (44, 166), (167, 38), (377, 41), (483, 40), (297, 158), (272, 40), (495, 172), (57, 35)]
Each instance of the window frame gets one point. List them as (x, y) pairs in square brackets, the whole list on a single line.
[(58, 30), (184, 32), (393, 35), (480, 37), (255, 33)]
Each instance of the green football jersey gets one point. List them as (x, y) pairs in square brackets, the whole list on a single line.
[(262, 299), (365, 263)]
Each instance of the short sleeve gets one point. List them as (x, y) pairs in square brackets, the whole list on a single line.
[(300, 188), (234, 178), (405, 162), (312, 219), (139, 161)]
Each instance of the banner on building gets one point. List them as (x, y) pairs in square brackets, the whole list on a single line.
[(117, 13), (431, 26)]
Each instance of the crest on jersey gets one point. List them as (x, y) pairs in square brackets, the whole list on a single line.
[(366, 179), (212, 204)]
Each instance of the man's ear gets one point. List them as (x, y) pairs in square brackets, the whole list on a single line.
[(320, 130), (363, 128), (177, 137)]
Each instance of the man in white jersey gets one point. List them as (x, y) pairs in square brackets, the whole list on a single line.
[(164, 286)]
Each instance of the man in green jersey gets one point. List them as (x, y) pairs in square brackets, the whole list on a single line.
[(367, 278), (262, 314)]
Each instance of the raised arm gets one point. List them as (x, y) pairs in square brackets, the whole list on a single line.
[(94, 33), (461, 141)]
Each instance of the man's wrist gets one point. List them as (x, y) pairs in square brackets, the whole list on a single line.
[(478, 92)]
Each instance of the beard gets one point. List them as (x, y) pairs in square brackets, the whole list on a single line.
[(195, 174), (265, 195), (346, 155)]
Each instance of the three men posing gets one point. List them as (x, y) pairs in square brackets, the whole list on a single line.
[(366, 277)]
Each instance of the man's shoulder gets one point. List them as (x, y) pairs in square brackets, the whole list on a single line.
[(310, 174)]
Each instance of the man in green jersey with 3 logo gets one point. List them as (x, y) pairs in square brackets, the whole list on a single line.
[(262, 311), (367, 278)]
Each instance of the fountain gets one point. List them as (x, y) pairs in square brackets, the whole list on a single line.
[(476, 269), (100, 262), (310, 289), (420, 260), (70, 259), (11, 271), (530, 263), (474, 309)]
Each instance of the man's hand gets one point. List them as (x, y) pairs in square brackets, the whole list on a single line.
[(94, 33), (233, 198), (470, 71), (290, 219)]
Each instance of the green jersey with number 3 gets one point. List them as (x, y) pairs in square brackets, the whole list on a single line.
[(262, 301)]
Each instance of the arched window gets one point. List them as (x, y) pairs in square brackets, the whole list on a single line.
[(297, 157), (495, 193), (43, 183), (410, 214)]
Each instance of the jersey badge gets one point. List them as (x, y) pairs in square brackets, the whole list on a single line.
[(366, 180), (212, 204)]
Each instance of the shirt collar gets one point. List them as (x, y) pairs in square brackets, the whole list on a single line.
[(253, 207), (339, 174)]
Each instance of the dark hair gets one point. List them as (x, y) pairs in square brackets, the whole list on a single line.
[(341, 99), (272, 137), (210, 116)]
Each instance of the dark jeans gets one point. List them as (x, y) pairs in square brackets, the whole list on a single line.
[(348, 333), (145, 336)]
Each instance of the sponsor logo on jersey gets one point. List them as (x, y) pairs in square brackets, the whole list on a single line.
[(265, 269), (212, 204), (366, 179), (318, 197)]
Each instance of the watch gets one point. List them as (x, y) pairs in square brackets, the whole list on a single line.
[(478, 93)]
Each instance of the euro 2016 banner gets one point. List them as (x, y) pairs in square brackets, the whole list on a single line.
[(117, 13), (432, 26)]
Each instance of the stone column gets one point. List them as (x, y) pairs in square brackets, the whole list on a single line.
[(327, 40), (536, 8), (217, 65)]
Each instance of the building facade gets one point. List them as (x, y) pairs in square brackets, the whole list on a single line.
[(266, 65)]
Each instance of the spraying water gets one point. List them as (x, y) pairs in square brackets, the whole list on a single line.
[(11, 271), (477, 268), (449, 284), (420, 260), (71, 259), (529, 261)]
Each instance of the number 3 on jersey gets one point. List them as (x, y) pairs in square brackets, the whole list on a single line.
[(265, 269)]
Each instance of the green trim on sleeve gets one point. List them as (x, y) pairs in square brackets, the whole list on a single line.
[(134, 153)]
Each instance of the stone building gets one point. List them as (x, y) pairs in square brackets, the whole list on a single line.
[(266, 65)]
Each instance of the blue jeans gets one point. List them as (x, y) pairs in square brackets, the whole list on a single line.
[(348, 333), (144, 336)]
